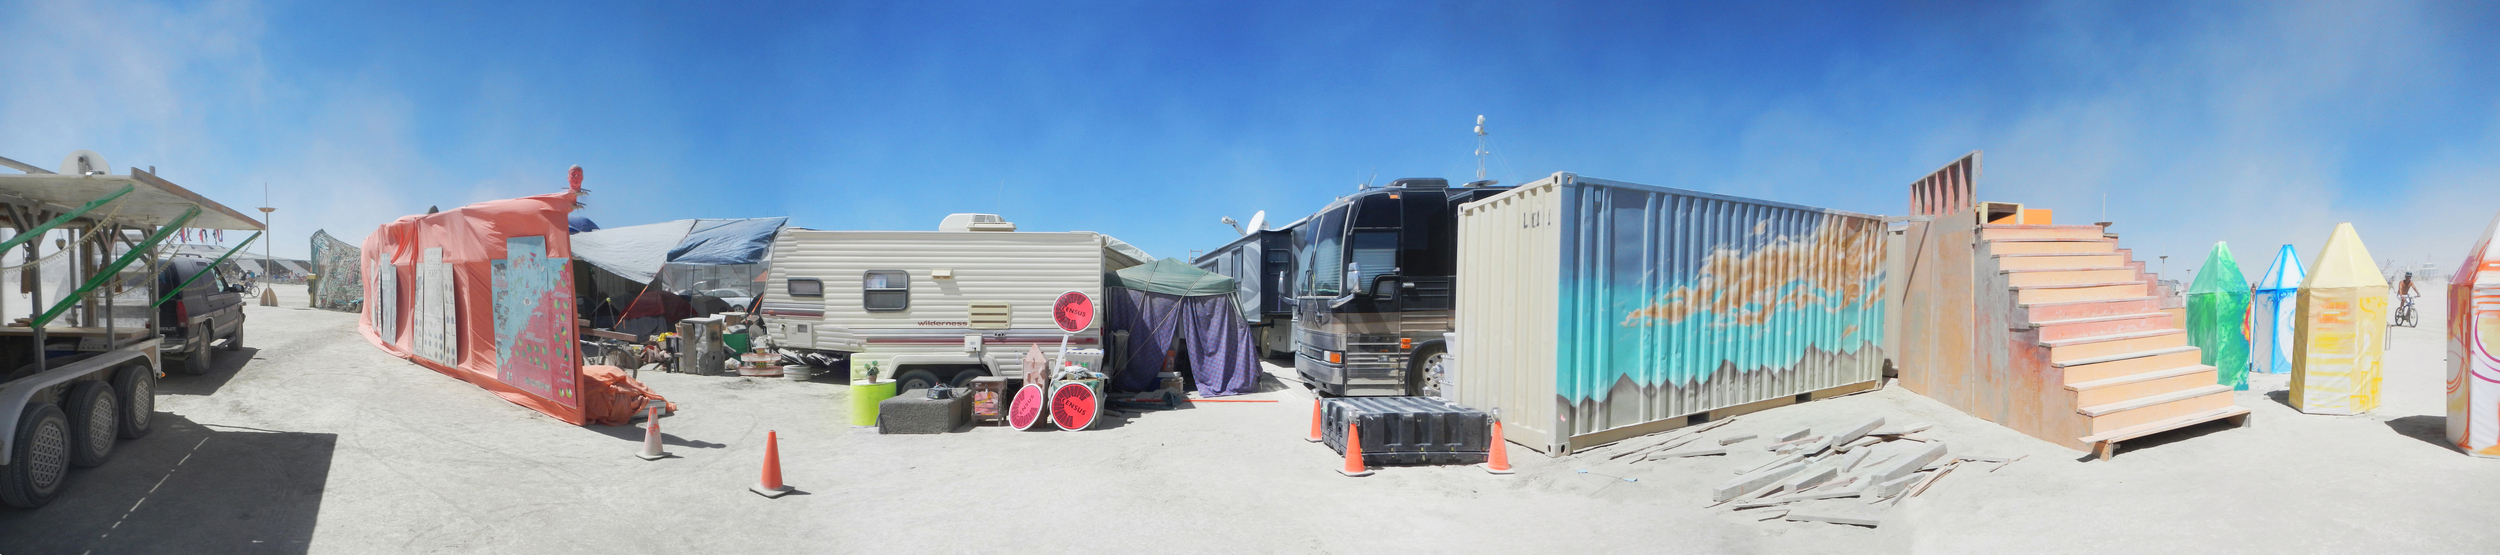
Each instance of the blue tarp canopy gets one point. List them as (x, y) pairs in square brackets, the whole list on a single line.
[(578, 224), (718, 242)]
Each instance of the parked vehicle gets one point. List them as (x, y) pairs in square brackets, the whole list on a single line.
[(1372, 293), (931, 307), (1262, 261), (207, 316), (80, 373)]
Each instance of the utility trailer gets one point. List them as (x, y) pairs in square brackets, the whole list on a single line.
[(79, 373), (935, 307)]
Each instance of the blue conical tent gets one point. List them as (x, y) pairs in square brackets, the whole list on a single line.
[(2274, 312)]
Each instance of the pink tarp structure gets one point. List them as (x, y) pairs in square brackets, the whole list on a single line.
[(484, 293)]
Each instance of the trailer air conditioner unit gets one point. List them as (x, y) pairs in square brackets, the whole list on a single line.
[(975, 222)]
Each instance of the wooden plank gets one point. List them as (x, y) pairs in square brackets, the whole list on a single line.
[(2132, 432)]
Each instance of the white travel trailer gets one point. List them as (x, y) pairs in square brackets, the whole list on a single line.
[(934, 307)]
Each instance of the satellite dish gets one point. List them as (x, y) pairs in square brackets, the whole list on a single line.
[(85, 162), (1258, 223)]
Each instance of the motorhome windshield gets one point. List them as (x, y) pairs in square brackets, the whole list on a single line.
[(1323, 255)]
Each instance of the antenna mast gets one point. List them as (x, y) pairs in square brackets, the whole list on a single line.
[(1480, 151)]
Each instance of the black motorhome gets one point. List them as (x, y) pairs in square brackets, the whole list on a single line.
[(1262, 261), (1372, 287)]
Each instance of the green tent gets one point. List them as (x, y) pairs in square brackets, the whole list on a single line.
[(2217, 313), (1171, 276)]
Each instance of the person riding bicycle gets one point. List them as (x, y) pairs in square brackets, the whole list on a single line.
[(2405, 292)]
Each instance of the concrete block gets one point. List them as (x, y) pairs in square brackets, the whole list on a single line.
[(1827, 493), (1750, 482), (1912, 462), (1859, 519), (1858, 431), (1732, 440)]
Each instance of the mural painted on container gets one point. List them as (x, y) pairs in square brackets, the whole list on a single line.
[(2274, 314), (1717, 290), (2474, 348), (2217, 311), (384, 312), (534, 321), (438, 317), (2343, 330)]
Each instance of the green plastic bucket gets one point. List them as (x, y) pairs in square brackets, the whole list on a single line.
[(864, 399)]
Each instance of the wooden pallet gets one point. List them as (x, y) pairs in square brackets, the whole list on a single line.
[(2105, 444)]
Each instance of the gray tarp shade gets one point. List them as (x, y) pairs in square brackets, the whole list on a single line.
[(721, 242), (1171, 276), (636, 252), (632, 252)]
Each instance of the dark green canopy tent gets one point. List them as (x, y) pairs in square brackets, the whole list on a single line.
[(1180, 317)]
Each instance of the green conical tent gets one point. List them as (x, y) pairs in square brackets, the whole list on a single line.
[(2217, 313)]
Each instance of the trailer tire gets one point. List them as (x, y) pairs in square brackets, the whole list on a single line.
[(195, 359), (963, 378), (94, 423), (925, 378), (135, 385), (39, 463)]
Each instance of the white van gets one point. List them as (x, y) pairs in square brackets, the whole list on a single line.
[(933, 307)]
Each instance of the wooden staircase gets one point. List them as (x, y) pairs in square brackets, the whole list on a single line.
[(2081, 313)]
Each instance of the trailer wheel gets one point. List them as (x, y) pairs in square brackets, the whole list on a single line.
[(39, 461), (963, 378), (195, 362), (916, 379), (135, 385), (94, 423)]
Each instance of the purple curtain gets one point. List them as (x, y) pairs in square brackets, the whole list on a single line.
[(1221, 357)]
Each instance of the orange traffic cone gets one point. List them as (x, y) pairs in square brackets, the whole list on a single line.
[(1498, 461), (770, 484), (1314, 421), (651, 438), (1354, 452)]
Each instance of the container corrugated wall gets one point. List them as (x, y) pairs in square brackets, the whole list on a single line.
[(1667, 303), (1508, 264)]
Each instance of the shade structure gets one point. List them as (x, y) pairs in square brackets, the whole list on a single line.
[(2342, 330), (2272, 313), (2217, 311), (2474, 348)]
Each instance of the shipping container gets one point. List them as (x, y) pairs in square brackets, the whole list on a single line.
[(1592, 310)]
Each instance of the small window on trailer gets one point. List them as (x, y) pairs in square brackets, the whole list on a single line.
[(806, 287), (885, 290)]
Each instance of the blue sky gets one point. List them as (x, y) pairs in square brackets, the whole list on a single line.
[(2256, 123)]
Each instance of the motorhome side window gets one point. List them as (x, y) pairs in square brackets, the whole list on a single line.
[(885, 290), (807, 287)]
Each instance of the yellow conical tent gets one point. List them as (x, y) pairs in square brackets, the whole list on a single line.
[(2342, 330)]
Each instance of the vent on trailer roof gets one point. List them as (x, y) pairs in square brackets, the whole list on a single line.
[(975, 222)]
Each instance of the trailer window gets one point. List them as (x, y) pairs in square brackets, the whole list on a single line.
[(885, 290), (1375, 254), (807, 287)]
